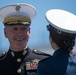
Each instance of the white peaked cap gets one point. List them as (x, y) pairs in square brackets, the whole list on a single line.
[(62, 20), (17, 9)]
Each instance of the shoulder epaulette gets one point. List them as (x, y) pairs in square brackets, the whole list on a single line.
[(3, 55), (40, 53)]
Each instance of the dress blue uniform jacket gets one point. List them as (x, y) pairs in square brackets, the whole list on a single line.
[(54, 65), (11, 61)]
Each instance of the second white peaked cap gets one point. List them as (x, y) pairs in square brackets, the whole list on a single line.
[(62, 20), (18, 8)]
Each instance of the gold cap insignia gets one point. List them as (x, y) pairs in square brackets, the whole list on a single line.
[(16, 19), (17, 7)]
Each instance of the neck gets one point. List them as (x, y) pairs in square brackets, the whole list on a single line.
[(18, 49), (55, 47)]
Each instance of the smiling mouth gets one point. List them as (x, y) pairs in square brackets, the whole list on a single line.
[(20, 39)]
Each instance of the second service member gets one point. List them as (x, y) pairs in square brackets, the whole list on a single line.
[(62, 32)]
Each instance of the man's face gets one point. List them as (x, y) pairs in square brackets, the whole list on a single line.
[(18, 36)]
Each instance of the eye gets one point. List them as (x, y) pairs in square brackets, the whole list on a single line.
[(14, 29), (24, 28)]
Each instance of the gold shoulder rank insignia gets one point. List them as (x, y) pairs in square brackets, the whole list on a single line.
[(40, 53)]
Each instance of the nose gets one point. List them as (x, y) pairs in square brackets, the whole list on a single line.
[(19, 32)]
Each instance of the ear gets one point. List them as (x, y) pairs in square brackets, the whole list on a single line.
[(5, 32), (29, 31), (51, 40)]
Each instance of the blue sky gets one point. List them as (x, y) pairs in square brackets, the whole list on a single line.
[(39, 34)]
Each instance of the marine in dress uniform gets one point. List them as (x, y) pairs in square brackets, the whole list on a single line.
[(62, 32), (23, 62)]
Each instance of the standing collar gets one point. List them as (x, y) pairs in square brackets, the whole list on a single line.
[(59, 52), (18, 53)]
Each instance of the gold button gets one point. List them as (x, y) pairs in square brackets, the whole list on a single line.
[(19, 70), (19, 60)]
